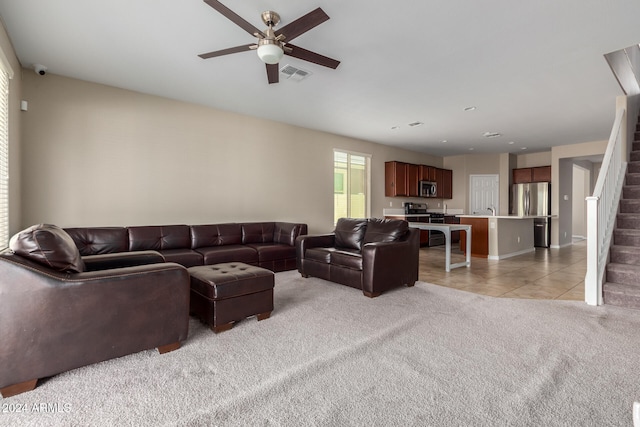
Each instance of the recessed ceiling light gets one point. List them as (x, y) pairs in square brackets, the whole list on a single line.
[(395, 127), (523, 148), (416, 124), (491, 134), (444, 141), (511, 142), (471, 149), (470, 108)]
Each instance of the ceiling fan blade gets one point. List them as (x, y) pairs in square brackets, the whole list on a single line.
[(307, 55), (233, 17), (303, 24), (228, 51), (272, 73)]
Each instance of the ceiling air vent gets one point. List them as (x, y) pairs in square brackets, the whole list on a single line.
[(294, 74), (414, 124), (491, 134)]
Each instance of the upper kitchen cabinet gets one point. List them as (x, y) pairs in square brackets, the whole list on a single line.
[(541, 174), (427, 173), (395, 179), (522, 176), (401, 179), (536, 174), (413, 175), (445, 186)]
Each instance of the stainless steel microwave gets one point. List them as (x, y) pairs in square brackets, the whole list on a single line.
[(428, 189)]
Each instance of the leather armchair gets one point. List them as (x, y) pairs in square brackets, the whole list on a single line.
[(55, 319), (373, 255)]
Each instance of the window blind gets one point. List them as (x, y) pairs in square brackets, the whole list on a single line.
[(4, 159)]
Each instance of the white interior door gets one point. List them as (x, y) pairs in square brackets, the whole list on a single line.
[(484, 194)]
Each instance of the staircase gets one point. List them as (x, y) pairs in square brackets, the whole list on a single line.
[(622, 285)]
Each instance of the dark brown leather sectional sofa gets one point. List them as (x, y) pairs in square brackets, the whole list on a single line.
[(269, 245), (373, 255), (70, 299)]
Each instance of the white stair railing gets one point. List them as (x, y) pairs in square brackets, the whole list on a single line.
[(602, 207)]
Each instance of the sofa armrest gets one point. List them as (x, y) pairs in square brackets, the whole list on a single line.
[(389, 264), (51, 322), (313, 241), (121, 259)]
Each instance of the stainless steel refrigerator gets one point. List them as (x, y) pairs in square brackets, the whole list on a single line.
[(534, 199)]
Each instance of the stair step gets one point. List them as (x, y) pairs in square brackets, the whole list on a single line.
[(625, 254), (625, 237), (632, 179), (628, 220), (633, 167), (621, 295), (631, 192), (635, 156), (635, 145), (630, 206), (624, 274)]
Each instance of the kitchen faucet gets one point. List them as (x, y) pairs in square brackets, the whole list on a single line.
[(492, 209)]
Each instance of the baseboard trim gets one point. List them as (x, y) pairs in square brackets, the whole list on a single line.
[(511, 254)]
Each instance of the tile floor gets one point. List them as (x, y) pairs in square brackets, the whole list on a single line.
[(543, 274)]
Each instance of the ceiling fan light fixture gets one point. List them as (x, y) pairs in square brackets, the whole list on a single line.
[(270, 53)]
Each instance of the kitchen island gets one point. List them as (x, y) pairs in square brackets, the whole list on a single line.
[(499, 236)]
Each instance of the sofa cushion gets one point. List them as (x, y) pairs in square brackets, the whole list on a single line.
[(273, 251), (50, 246), (350, 232), (229, 253), (347, 259), (257, 232), (100, 240), (185, 257), (286, 233), (159, 237), (385, 230), (322, 255), (204, 236)]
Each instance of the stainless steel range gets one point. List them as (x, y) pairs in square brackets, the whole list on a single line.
[(420, 214), (436, 238)]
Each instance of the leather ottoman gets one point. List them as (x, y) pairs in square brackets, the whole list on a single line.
[(222, 294)]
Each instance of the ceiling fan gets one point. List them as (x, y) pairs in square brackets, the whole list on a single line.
[(273, 44)]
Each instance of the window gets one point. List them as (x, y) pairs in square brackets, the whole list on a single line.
[(4, 155), (351, 182)]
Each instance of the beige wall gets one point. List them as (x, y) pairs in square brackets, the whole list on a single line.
[(15, 96), (580, 190), (531, 160), (562, 184), (472, 164), (97, 155)]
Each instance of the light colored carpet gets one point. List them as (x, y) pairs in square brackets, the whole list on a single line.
[(329, 356)]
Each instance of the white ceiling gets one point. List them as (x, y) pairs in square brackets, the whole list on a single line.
[(534, 70)]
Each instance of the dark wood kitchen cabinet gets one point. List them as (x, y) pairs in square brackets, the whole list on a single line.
[(535, 174), (446, 184), (427, 173), (402, 179), (395, 179), (413, 175), (522, 176), (479, 236), (541, 174)]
